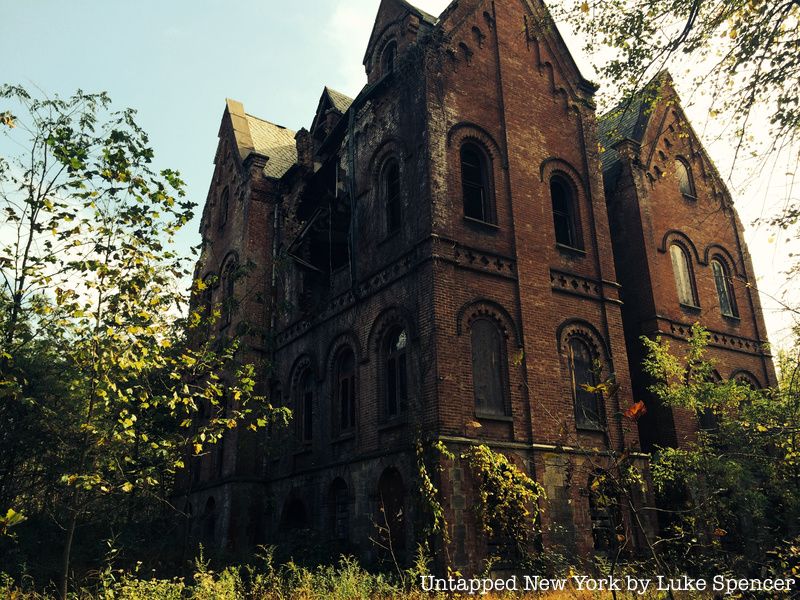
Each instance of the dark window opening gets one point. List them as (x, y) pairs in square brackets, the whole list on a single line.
[(396, 373), (582, 374), (564, 213), (294, 516), (488, 367), (392, 197), (605, 515), (391, 518), (475, 184), (224, 203), (346, 391), (228, 288), (339, 517), (306, 407)]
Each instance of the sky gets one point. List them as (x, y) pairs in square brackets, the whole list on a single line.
[(176, 61)]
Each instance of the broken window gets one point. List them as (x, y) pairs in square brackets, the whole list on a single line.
[(582, 374), (396, 375)]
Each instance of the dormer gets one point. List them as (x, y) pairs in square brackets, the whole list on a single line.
[(397, 26), (332, 105)]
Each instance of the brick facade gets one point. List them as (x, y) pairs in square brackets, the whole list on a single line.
[(357, 241)]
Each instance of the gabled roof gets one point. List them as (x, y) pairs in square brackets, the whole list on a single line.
[(374, 36), (275, 142), (330, 98), (339, 100), (627, 121)]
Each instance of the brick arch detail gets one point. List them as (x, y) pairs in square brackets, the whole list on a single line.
[(588, 333), (344, 340), (558, 166), (390, 317), (714, 250), (466, 131), (482, 308), (673, 235), (302, 363)]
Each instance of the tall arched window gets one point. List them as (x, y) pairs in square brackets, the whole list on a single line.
[(304, 404), (396, 375), (489, 370), (391, 499), (685, 182), (475, 183), (224, 203), (683, 276), (582, 373), (388, 57), (345, 407), (390, 189), (338, 513), (563, 200), (724, 285), (228, 285)]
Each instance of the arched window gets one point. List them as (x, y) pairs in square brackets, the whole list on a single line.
[(563, 200), (390, 189), (724, 285), (396, 375), (582, 373), (209, 522), (475, 183), (683, 276), (345, 391), (294, 515), (391, 509), (604, 513), (228, 283), (304, 405), (489, 371), (338, 512), (685, 182), (388, 57), (224, 202)]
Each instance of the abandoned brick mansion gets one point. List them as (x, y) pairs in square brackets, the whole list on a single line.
[(449, 256)]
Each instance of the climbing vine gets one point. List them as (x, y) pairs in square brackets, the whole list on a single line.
[(508, 500)]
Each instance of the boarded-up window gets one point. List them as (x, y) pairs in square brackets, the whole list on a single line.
[(683, 275), (488, 367)]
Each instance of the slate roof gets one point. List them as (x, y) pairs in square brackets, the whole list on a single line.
[(428, 18), (340, 101), (275, 142), (625, 121)]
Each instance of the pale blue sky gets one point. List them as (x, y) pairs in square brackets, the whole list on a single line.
[(176, 61)]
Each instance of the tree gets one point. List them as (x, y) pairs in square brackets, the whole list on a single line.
[(102, 380), (745, 53), (734, 494)]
